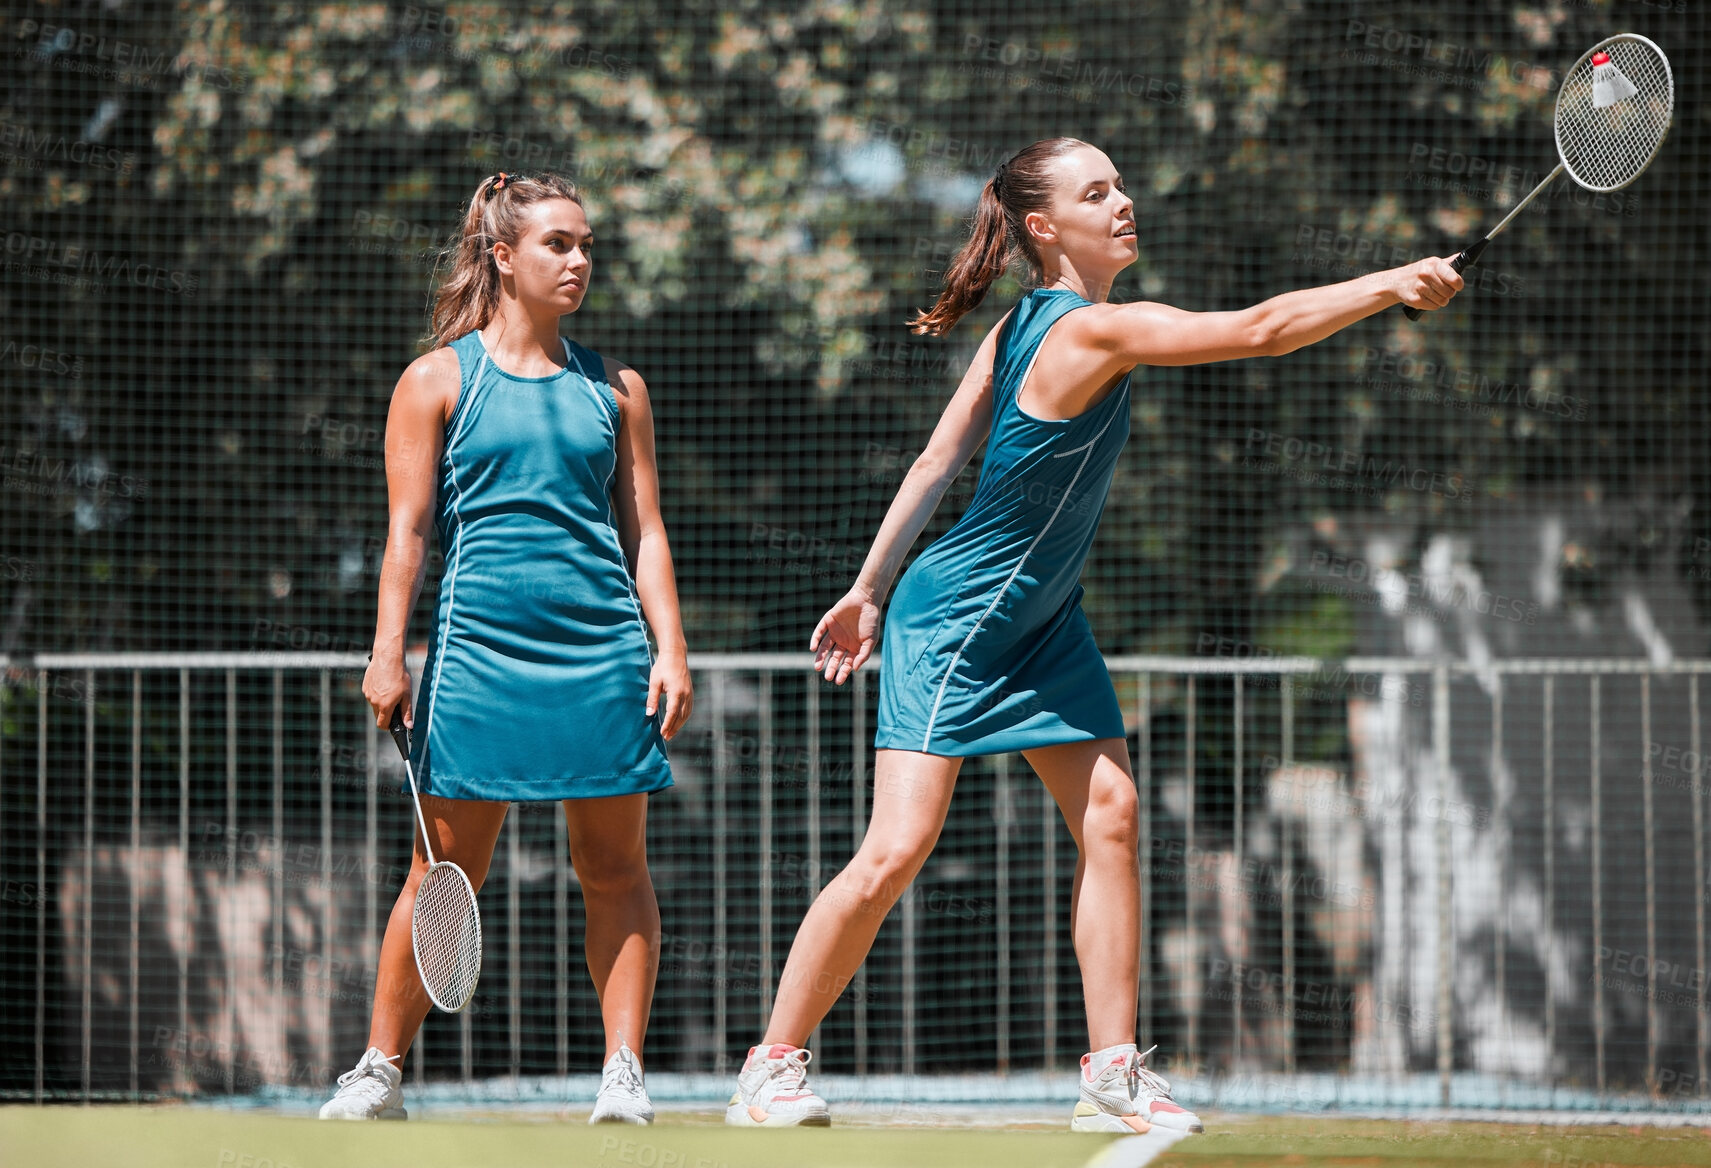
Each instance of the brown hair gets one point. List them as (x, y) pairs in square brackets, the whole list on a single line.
[(469, 295), (1022, 184)]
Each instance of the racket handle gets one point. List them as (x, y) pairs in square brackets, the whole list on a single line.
[(1464, 260), (400, 733)]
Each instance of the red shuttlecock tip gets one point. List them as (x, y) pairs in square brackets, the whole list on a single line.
[(1601, 58)]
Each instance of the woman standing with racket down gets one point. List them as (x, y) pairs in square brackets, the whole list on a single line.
[(986, 646), (534, 459)]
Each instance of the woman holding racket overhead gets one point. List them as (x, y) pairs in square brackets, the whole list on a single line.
[(533, 457), (986, 646)]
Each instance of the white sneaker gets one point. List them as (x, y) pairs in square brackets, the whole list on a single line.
[(1119, 1093), (622, 1097), (1160, 1107), (372, 1090), (772, 1091)]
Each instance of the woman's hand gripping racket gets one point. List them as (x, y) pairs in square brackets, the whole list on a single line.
[(1613, 111), (445, 925)]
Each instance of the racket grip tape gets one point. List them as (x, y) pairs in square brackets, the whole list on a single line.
[(1464, 260), (400, 733)]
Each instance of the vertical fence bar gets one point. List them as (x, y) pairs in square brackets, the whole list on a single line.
[(1001, 819), (561, 942), (228, 895), (1502, 831), (1550, 911), (328, 983), (1597, 890), (911, 927), (1245, 955), (371, 849), (88, 951), (190, 874), (5, 818), (1441, 749), (1191, 979), (1698, 878), (514, 942), (812, 697), (1144, 781), (278, 909), (763, 749), (41, 873), (466, 1046), (1286, 848), (135, 867), (1653, 1019), (858, 811), (1048, 925), (721, 848)]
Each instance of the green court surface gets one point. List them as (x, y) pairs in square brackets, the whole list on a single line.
[(198, 1137)]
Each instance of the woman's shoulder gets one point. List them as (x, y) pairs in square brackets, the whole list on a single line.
[(602, 367), (434, 375), (625, 384), (434, 363)]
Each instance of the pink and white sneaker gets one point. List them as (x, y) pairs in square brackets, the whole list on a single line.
[(772, 1091), (1120, 1093)]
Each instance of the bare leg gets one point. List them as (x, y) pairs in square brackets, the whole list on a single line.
[(912, 793), (1092, 786), (609, 850), (464, 832)]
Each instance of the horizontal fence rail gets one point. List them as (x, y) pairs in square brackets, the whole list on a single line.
[(1381, 865)]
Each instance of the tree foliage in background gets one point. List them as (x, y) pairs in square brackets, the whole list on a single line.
[(775, 187)]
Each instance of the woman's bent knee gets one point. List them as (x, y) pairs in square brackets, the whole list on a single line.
[(608, 878), (883, 875), (1114, 812)]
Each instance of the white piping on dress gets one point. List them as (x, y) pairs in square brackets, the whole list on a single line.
[(927, 738)]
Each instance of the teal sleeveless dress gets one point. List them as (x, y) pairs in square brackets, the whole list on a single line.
[(986, 649), (536, 681)]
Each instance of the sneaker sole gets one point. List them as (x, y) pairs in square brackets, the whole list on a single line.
[(1193, 1126), (1089, 1118), (389, 1113), (736, 1115)]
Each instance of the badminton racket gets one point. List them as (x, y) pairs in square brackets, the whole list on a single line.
[(445, 924), (1612, 114)]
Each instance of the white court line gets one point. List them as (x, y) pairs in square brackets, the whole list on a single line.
[(1133, 1151)]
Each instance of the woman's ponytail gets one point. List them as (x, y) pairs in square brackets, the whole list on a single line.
[(974, 270), (1021, 185)]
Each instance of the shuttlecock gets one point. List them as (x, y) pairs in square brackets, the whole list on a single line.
[(1609, 86)]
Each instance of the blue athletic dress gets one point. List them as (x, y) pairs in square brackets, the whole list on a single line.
[(536, 681), (986, 649)]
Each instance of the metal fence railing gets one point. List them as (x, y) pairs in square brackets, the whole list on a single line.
[(1381, 865)]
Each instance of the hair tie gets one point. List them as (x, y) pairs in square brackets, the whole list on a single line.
[(998, 177), (497, 183)]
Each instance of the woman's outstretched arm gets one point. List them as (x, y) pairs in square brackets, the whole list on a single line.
[(843, 640), (1107, 340), (1156, 334)]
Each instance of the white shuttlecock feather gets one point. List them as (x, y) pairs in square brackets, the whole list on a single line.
[(1609, 86)]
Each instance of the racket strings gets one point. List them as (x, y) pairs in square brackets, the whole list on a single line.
[(446, 928), (1605, 149)]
